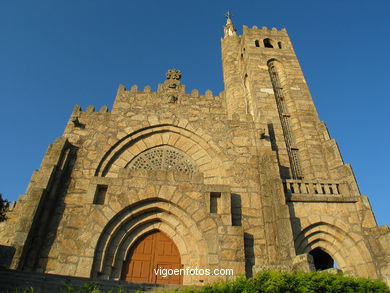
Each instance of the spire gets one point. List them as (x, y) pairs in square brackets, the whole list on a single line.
[(229, 27)]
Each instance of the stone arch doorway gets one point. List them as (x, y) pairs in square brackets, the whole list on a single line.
[(322, 260), (151, 253)]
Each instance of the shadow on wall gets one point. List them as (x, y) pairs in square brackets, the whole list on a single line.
[(283, 170), (6, 255), (249, 254)]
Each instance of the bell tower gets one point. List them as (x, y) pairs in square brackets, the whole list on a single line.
[(265, 86), (263, 80)]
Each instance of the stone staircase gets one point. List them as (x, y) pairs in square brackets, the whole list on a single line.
[(11, 280)]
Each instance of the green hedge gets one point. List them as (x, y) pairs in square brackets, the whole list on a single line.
[(316, 282), (272, 282)]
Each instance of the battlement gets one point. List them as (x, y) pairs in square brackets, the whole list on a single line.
[(90, 109), (264, 30), (148, 89), (266, 38), (167, 95), (171, 86), (77, 120), (145, 97)]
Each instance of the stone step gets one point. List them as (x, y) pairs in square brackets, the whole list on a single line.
[(11, 280)]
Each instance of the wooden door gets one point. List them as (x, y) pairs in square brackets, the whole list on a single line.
[(151, 252)]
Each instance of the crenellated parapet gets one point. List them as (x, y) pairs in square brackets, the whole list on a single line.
[(169, 95), (135, 98), (78, 112), (90, 109), (264, 30), (132, 106), (78, 116)]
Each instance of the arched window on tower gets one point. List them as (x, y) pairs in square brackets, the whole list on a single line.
[(257, 43), (280, 45), (322, 260), (268, 43)]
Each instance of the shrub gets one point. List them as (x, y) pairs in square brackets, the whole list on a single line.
[(270, 282), (282, 282)]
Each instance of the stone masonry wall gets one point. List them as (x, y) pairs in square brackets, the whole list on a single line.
[(223, 150)]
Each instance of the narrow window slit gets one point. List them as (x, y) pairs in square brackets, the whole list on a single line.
[(100, 194), (214, 198)]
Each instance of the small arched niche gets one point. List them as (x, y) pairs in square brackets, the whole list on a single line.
[(257, 43), (322, 260)]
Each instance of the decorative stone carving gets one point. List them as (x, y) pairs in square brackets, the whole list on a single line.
[(172, 86), (174, 74), (173, 78), (162, 158)]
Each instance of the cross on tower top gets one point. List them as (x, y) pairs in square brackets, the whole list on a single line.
[(228, 15), (229, 27)]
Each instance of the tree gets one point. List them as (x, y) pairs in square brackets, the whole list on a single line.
[(4, 205)]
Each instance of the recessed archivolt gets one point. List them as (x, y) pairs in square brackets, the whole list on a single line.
[(116, 255), (347, 250), (131, 223), (199, 147), (134, 214), (331, 249), (153, 224), (124, 236)]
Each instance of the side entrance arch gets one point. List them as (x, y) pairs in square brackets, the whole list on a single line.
[(150, 253), (322, 260)]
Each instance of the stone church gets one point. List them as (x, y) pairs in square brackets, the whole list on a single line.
[(249, 179)]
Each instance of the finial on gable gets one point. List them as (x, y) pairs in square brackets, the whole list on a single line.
[(174, 74), (173, 78), (229, 29), (172, 89)]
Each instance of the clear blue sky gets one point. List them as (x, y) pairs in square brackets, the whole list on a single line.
[(55, 54)]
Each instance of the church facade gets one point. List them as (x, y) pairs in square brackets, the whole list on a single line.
[(246, 180)]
